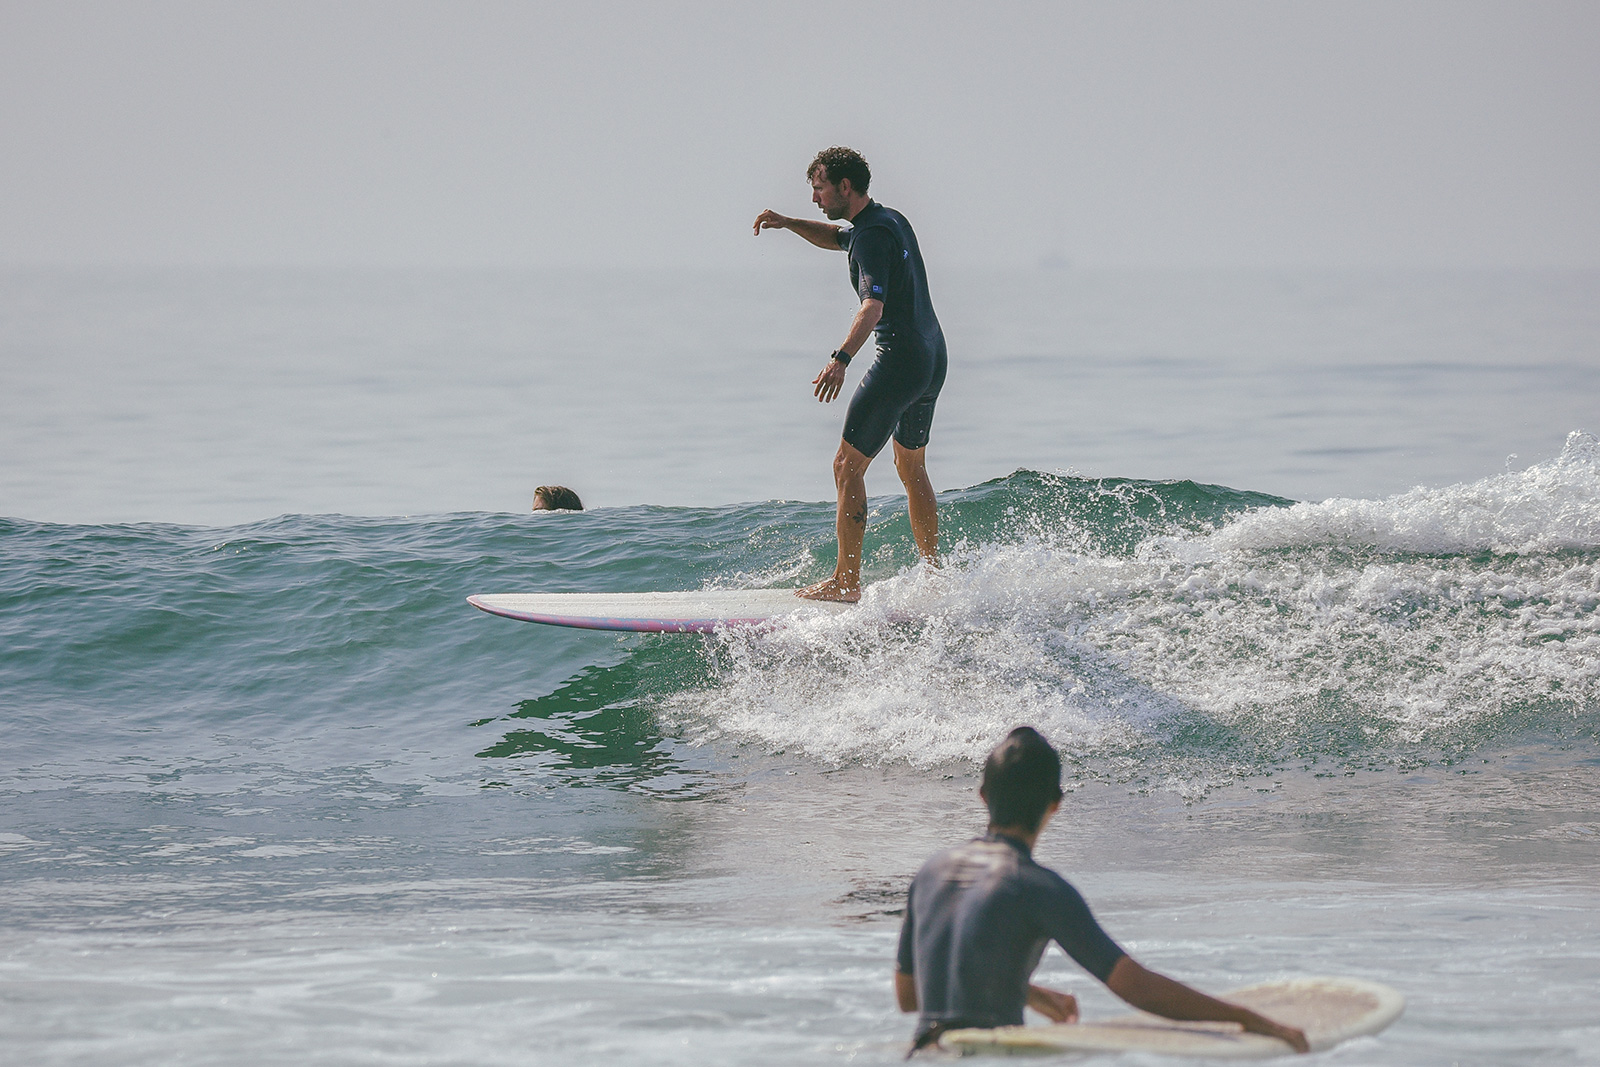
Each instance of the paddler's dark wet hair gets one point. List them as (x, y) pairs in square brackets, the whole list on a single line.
[(838, 163), (1021, 778), (556, 498)]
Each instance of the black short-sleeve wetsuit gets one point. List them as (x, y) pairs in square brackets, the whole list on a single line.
[(897, 394), (978, 918)]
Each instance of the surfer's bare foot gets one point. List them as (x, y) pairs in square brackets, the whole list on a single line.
[(830, 590)]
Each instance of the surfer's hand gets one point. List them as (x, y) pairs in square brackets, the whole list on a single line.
[(1295, 1038), (830, 381), (1057, 1007), (770, 220)]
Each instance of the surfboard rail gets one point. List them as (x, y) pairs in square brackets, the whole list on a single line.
[(1329, 1010), (690, 611)]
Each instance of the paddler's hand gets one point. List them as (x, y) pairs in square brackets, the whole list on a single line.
[(1296, 1039), (1057, 1007), (770, 220), (829, 382)]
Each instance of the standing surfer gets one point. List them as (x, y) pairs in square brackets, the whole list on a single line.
[(897, 394)]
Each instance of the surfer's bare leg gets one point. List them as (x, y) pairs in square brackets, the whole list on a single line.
[(850, 479), (921, 503)]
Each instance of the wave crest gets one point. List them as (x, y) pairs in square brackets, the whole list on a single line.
[(1546, 508), (1434, 622)]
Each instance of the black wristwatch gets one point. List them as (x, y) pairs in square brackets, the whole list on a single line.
[(842, 356)]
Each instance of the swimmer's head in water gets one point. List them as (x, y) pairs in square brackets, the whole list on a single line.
[(556, 498), (1021, 778)]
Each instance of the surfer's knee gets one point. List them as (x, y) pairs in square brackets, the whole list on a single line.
[(911, 463), (849, 462)]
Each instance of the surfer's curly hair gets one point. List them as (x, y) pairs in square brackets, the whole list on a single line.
[(837, 164), (1021, 778)]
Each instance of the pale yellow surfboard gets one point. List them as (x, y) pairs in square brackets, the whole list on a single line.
[(1329, 1010)]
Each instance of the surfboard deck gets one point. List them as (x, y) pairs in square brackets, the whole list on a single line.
[(698, 611), (1329, 1010)]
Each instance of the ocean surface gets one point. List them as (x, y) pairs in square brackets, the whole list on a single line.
[(1300, 570)]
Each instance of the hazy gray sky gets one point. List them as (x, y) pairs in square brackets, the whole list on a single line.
[(404, 133)]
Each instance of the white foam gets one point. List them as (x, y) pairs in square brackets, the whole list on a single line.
[(1548, 507), (1401, 621)]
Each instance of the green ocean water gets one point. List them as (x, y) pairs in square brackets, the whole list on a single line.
[(273, 791), (1090, 605)]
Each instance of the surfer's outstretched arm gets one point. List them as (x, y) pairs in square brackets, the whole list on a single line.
[(1160, 995), (822, 234)]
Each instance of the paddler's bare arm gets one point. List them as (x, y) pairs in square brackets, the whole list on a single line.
[(1160, 995), (821, 234), (1057, 1007), (831, 380)]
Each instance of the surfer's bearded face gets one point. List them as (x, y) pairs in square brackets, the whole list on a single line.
[(828, 196)]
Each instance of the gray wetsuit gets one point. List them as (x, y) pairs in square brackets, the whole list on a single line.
[(978, 918)]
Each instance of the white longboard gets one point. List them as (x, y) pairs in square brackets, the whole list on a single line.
[(1329, 1010), (691, 612)]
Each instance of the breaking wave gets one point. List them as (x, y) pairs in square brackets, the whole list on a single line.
[(1154, 639)]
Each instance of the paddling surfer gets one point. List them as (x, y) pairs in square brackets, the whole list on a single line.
[(979, 916), (897, 394)]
